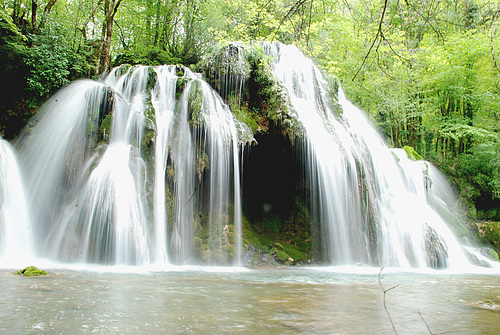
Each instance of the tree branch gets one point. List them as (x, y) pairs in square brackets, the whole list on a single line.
[(309, 24), (438, 33), (296, 6), (394, 51), (429, 328), (84, 26), (45, 14), (115, 9), (379, 34), (493, 33), (385, 292)]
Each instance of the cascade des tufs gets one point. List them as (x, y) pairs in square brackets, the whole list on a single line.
[(145, 167), (370, 210), (117, 170)]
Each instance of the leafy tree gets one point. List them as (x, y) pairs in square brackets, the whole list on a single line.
[(12, 52), (426, 72)]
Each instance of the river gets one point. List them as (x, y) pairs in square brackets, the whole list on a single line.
[(204, 300)]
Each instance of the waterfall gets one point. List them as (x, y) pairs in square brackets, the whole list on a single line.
[(144, 167), (141, 168), (371, 209), (15, 235)]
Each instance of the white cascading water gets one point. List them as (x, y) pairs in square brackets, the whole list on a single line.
[(370, 209), (15, 227), (143, 168), (95, 197)]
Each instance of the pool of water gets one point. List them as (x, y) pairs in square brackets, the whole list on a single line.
[(228, 301)]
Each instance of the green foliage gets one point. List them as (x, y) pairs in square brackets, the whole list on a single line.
[(412, 153), (242, 114), (13, 50), (477, 174), (489, 231), (48, 61), (145, 57), (52, 63), (196, 104), (273, 223), (37, 65), (426, 73), (245, 20), (31, 271), (288, 239)]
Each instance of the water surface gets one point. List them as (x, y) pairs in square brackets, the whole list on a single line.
[(278, 301)]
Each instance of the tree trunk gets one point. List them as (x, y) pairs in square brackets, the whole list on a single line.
[(34, 7), (45, 15), (157, 23), (91, 16), (110, 9)]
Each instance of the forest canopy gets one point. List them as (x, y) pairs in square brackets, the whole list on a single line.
[(426, 72)]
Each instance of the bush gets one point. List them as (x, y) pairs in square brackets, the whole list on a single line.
[(31, 271), (477, 176), (150, 57)]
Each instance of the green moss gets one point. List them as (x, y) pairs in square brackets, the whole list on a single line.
[(263, 98), (492, 254), (180, 85), (295, 253), (243, 115), (266, 95), (195, 104), (250, 236), (147, 144), (105, 129), (31, 271), (214, 236), (122, 69), (150, 114), (281, 255), (225, 59), (489, 231), (288, 240), (412, 153), (277, 245)]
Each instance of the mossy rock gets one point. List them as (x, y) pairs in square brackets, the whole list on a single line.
[(122, 69), (277, 245), (489, 231), (295, 253), (196, 104), (491, 254), (282, 256), (412, 153), (31, 271), (105, 129), (261, 98), (251, 237)]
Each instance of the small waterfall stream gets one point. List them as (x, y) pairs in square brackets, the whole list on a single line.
[(371, 210), (15, 224)]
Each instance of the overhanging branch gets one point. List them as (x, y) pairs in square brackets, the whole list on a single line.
[(377, 37)]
